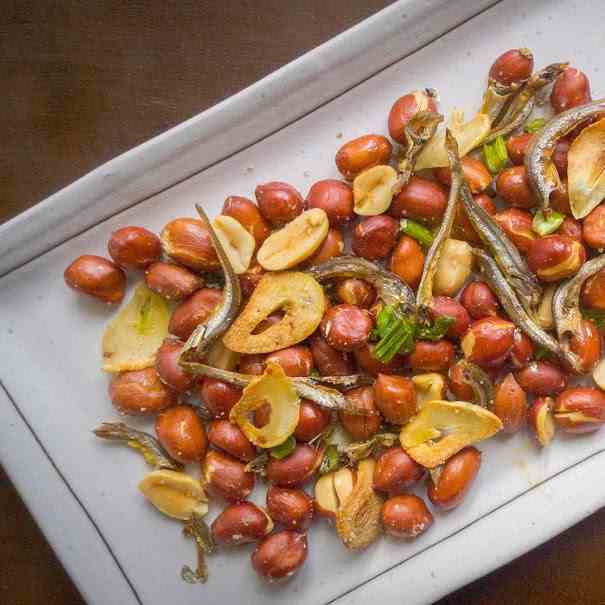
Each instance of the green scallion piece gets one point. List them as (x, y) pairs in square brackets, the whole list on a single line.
[(330, 460), (535, 125), (495, 155), (548, 222), (419, 232), (284, 449)]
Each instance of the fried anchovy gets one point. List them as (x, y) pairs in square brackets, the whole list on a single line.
[(425, 290), (206, 334), (537, 159), (351, 381), (197, 529), (419, 130), (147, 445), (479, 381), (506, 254), (307, 388), (496, 98), (390, 289), (510, 303), (352, 453), (566, 301), (522, 104)]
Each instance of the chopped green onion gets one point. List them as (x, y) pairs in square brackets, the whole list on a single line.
[(419, 232), (283, 449), (437, 330), (495, 155), (548, 222), (330, 460), (535, 125)]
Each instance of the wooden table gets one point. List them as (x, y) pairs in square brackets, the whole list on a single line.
[(82, 82)]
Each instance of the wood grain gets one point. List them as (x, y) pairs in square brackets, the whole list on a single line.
[(83, 82)]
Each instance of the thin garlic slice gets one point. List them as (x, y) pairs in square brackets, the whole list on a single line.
[(175, 494), (373, 190), (237, 242)]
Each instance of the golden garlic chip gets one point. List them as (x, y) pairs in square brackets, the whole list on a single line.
[(275, 389), (298, 295), (135, 334), (443, 428), (175, 494)]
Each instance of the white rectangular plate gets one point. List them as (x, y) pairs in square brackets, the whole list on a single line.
[(83, 492)]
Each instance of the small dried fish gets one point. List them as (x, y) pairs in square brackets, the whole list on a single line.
[(537, 158), (307, 388), (515, 310), (566, 301), (524, 283), (419, 130), (424, 295), (522, 104), (205, 335), (390, 289), (149, 446), (197, 529), (358, 450), (350, 381), (479, 381)]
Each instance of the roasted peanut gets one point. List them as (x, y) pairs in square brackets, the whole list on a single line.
[(570, 89), (252, 364), (593, 228), (140, 392), (541, 421), (375, 237), (458, 384), (219, 397), (517, 147), (514, 65), (332, 246), (240, 524), (295, 361), (246, 212), (454, 267), (328, 360), (559, 199), (134, 247), (278, 202), (357, 292), (188, 242), (593, 292), (227, 477), (479, 300), (512, 185), (346, 327), (280, 555), (510, 404), (580, 410), (407, 261), (194, 311), (431, 356), (555, 257), (168, 368), (559, 156), (373, 190), (420, 199), (362, 153), (335, 198), (406, 516), (361, 427), (228, 437), (395, 397), (182, 434), (488, 340), (572, 229), (97, 277), (517, 224), (429, 386), (452, 483), (523, 350), (250, 279), (476, 174), (295, 242), (586, 344), (368, 363), (292, 508), (444, 306), (395, 472), (312, 420), (405, 108), (171, 281), (541, 378), (294, 469), (238, 244)]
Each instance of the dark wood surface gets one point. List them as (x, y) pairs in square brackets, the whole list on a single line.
[(81, 82)]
